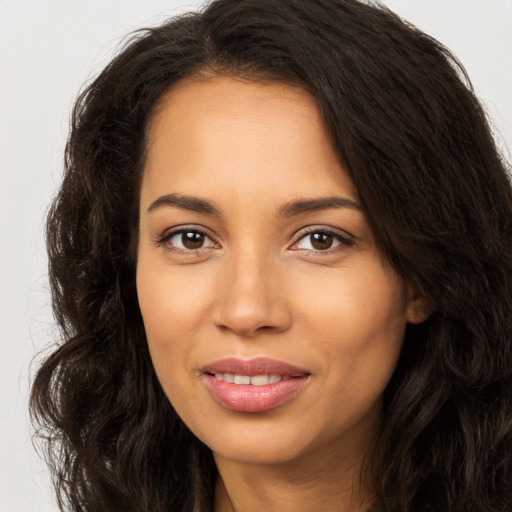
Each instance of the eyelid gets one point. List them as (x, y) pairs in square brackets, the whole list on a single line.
[(176, 230), (345, 239)]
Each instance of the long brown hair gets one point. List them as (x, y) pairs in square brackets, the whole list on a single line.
[(415, 141)]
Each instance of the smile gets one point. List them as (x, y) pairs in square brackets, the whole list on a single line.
[(255, 385), (256, 380)]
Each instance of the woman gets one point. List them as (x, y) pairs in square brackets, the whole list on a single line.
[(280, 258)]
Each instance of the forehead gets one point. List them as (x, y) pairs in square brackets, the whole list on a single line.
[(219, 132)]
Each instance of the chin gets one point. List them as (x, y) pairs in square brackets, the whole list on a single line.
[(254, 452), (254, 441)]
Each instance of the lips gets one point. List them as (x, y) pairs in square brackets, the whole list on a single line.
[(254, 385), (255, 380)]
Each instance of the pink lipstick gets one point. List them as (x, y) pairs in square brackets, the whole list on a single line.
[(254, 385)]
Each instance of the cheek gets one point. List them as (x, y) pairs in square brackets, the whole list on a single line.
[(357, 305), (170, 301), (358, 319), (174, 305)]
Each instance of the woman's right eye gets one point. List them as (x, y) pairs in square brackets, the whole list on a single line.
[(187, 240)]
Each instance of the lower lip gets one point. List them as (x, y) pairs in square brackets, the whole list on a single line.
[(249, 398)]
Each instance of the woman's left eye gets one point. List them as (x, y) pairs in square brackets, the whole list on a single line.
[(320, 241)]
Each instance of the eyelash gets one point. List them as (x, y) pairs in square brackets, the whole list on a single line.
[(344, 241), (167, 236)]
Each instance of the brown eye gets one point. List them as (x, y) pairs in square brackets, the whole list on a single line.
[(187, 240), (321, 241), (192, 239)]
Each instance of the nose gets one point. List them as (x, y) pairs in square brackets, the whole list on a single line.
[(251, 297)]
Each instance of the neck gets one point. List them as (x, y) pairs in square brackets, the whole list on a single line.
[(327, 482)]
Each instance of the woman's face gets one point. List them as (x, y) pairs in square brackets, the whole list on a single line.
[(273, 323)]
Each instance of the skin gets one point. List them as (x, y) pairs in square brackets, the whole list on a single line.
[(258, 287)]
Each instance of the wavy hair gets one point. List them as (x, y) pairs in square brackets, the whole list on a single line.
[(408, 129)]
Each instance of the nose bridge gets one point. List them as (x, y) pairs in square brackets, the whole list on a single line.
[(249, 300)]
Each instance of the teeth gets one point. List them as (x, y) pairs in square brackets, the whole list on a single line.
[(242, 379), (256, 380), (259, 380)]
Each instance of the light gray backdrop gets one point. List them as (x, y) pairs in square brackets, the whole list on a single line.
[(48, 48)]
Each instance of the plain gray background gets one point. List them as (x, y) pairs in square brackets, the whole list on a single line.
[(48, 48)]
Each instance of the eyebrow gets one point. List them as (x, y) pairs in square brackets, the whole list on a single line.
[(311, 205), (186, 203), (288, 210)]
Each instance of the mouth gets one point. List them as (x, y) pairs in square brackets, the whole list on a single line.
[(248, 380), (257, 367), (255, 385)]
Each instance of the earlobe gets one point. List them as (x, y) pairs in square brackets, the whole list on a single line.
[(418, 310)]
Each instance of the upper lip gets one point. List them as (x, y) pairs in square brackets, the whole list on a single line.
[(256, 366)]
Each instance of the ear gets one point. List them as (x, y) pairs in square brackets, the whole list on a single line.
[(418, 310)]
